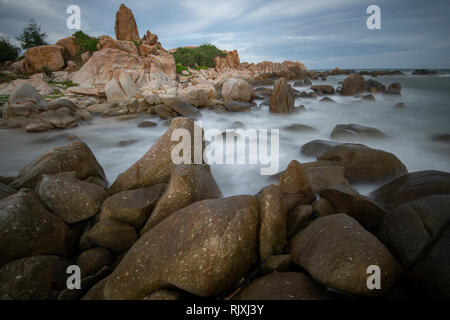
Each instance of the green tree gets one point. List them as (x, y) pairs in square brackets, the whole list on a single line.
[(8, 51), (32, 36)]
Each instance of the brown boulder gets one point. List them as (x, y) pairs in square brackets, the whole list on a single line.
[(75, 156), (36, 58), (321, 177), (363, 164), (113, 235), (188, 183), (203, 249), (356, 131), (336, 251), (282, 99), (27, 228), (126, 28), (69, 44), (155, 166), (324, 88), (353, 84), (92, 260)]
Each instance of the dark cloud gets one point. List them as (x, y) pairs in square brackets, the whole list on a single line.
[(321, 33)]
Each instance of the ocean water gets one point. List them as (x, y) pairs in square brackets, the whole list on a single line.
[(427, 112)]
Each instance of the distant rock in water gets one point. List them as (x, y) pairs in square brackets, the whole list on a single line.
[(315, 148), (424, 72), (394, 89), (441, 137), (345, 131), (282, 99), (352, 85)]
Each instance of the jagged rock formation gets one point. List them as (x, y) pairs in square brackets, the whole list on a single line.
[(126, 28)]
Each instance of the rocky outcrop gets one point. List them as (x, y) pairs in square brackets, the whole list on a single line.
[(70, 46), (236, 89), (286, 69), (282, 99), (353, 84), (126, 28), (51, 56), (230, 61)]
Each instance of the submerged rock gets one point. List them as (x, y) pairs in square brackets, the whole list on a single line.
[(353, 84), (355, 131), (315, 148)]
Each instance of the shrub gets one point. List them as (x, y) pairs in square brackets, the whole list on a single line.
[(181, 68), (8, 51), (84, 42), (196, 57), (47, 72), (32, 36)]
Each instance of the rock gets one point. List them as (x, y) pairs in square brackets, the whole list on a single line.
[(150, 39), (315, 148), (412, 186), (183, 108), (344, 199), (27, 228), (374, 86), (126, 28), (202, 249), (356, 131), (92, 260), (323, 88), (441, 137), (62, 103), (75, 156), (200, 95), (277, 263), (38, 125), (411, 229), (336, 251), (353, 84), (162, 294), (125, 143), (122, 45), (84, 115), (432, 273), (61, 118), (327, 100), (69, 44), (325, 176), (131, 207), (237, 125), (235, 89), (40, 85), (284, 286), (368, 97), (33, 278), (155, 166), (272, 232), (363, 164), (287, 69), (394, 89), (51, 56), (188, 183), (282, 99), (424, 72), (25, 100), (161, 110), (70, 199), (122, 89), (113, 235), (400, 105), (6, 191), (298, 219), (146, 124), (101, 108), (294, 186), (296, 127), (230, 61), (237, 106), (150, 98), (322, 208)]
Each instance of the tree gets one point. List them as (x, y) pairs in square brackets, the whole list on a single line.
[(32, 36), (8, 51)]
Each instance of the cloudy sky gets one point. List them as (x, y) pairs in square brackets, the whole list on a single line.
[(320, 33)]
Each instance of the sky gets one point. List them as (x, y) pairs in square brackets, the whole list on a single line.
[(320, 33)]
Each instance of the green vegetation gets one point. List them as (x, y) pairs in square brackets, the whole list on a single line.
[(181, 68), (47, 72), (84, 42), (65, 84), (4, 98), (8, 51), (7, 77), (54, 95), (32, 36), (137, 44), (20, 58), (201, 57)]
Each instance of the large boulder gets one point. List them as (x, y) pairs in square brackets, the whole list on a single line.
[(27, 228), (75, 156), (71, 199), (412, 186), (113, 235), (155, 166), (284, 286), (315, 148), (188, 183), (69, 44), (131, 207), (294, 186), (183, 108), (61, 118), (122, 45), (202, 249), (282, 99), (237, 89), (394, 89), (321, 177), (200, 95), (374, 86), (51, 56), (353, 84), (337, 251), (363, 164), (6, 191), (346, 200), (230, 61), (355, 131), (121, 89), (413, 227), (92, 260), (272, 231), (324, 88), (25, 100), (126, 28), (33, 278)]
